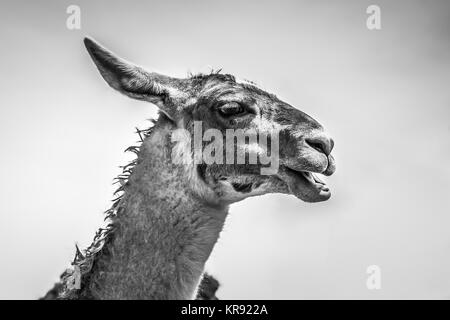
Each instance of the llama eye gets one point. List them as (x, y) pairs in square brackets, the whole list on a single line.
[(231, 109)]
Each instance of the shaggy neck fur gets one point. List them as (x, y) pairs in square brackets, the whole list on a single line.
[(161, 234)]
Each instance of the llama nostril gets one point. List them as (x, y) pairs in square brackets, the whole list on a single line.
[(321, 144)]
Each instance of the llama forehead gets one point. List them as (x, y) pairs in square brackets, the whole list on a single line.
[(216, 83), (225, 87)]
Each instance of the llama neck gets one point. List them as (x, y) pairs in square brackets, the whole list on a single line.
[(163, 232)]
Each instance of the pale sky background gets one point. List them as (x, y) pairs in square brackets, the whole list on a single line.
[(383, 95)]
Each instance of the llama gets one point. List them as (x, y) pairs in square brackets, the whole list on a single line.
[(168, 218)]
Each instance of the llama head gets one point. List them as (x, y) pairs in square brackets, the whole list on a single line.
[(242, 141)]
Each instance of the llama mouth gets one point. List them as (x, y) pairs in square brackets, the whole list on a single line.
[(305, 185)]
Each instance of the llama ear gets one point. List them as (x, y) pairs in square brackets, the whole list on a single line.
[(132, 80)]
